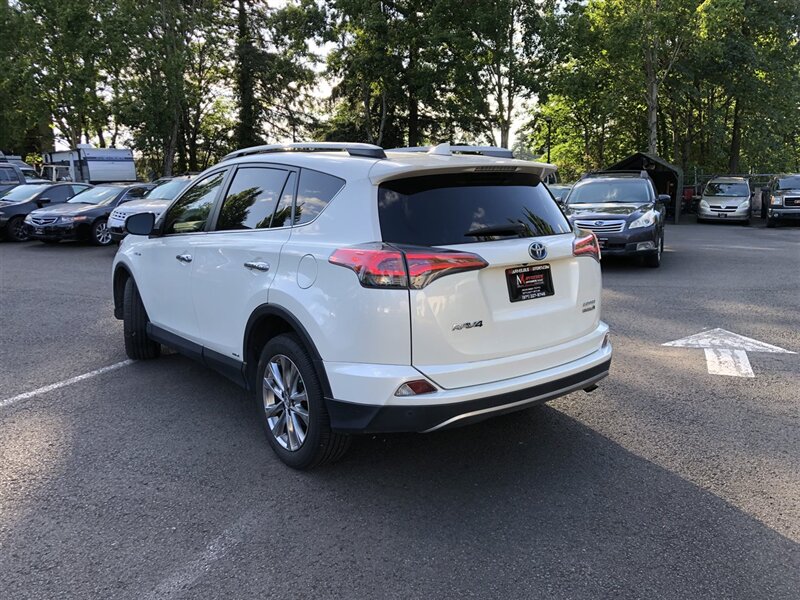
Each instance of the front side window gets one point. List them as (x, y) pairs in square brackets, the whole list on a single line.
[(190, 213), (441, 210), (252, 199), (314, 193)]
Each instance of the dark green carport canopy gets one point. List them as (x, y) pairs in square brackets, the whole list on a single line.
[(667, 178)]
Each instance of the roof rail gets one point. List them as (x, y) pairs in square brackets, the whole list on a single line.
[(446, 150), (352, 148), (642, 174)]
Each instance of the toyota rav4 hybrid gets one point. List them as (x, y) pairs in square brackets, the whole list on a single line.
[(355, 290), (625, 212)]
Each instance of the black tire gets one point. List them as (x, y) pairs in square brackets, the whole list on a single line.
[(15, 229), (138, 345), (771, 223), (653, 259), (320, 445), (101, 236), (746, 223)]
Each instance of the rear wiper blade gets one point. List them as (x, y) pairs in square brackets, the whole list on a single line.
[(510, 229)]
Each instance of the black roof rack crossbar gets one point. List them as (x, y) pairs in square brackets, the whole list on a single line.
[(353, 149)]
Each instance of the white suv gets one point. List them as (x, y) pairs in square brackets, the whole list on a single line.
[(355, 290)]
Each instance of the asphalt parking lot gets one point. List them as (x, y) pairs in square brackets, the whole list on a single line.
[(153, 480)]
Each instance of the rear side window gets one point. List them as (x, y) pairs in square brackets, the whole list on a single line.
[(58, 193), (252, 199), (314, 193), (442, 210), (7, 175)]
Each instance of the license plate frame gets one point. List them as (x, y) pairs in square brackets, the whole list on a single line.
[(38, 230), (529, 282)]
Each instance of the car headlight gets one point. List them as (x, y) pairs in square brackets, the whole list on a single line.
[(745, 204), (646, 220), (775, 200), (703, 204), (28, 219), (72, 219)]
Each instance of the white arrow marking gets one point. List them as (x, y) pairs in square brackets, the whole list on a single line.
[(734, 363), (726, 352)]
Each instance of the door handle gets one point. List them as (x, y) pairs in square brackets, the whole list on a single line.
[(184, 258), (257, 266)]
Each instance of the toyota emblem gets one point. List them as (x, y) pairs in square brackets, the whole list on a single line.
[(537, 251)]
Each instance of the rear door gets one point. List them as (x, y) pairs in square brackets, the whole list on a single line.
[(528, 310), (236, 262)]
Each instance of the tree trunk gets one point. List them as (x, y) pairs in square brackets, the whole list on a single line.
[(413, 101), (736, 137), (169, 153), (246, 131), (651, 65)]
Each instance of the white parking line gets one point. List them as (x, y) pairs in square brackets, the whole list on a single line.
[(64, 383), (178, 582)]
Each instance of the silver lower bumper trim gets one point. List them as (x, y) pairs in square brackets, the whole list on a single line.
[(521, 403)]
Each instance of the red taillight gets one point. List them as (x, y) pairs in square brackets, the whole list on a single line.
[(586, 245), (384, 266)]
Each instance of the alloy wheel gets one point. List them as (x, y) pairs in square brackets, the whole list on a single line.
[(102, 234), (285, 402), (18, 230)]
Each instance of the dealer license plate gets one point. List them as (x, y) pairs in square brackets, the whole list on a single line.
[(529, 282)]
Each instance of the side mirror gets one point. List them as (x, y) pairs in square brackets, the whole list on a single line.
[(665, 198), (140, 224), (42, 201)]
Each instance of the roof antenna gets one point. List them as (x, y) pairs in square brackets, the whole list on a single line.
[(441, 150)]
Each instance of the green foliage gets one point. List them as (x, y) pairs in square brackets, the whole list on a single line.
[(712, 84)]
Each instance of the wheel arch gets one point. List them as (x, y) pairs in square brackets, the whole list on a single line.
[(267, 321), (121, 276)]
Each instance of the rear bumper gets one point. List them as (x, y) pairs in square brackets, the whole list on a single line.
[(452, 408)]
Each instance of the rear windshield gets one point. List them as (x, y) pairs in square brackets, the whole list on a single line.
[(727, 189), (625, 191), (441, 210)]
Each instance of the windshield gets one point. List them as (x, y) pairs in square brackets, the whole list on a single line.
[(22, 193), (630, 191), (167, 190), (96, 195), (727, 189), (789, 183)]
